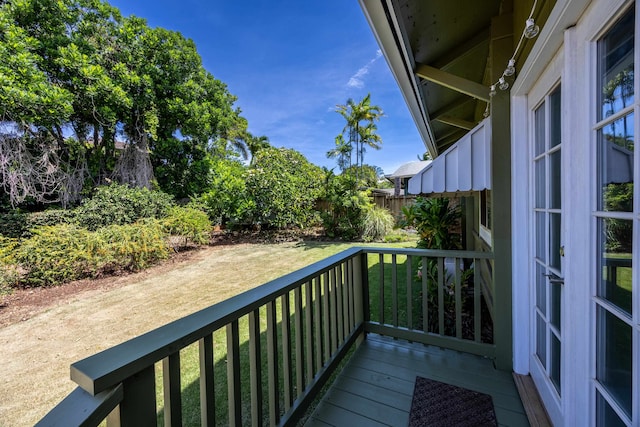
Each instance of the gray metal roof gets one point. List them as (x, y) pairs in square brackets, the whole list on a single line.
[(409, 169)]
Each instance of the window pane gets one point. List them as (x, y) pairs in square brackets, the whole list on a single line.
[(615, 165), (541, 235), (606, 416), (541, 340), (555, 246), (555, 117), (540, 183), (540, 130), (615, 51), (614, 283), (555, 362), (614, 358), (555, 163)]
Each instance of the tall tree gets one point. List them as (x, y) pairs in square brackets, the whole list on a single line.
[(360, 127)]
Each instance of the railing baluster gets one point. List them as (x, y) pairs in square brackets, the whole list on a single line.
[(318, 321), (352, 283), (255, 367), (477, 311), (272, 362), (381, 293), (286, 351), (339, 303), (441, 283), (207, 393), (308, 321), (458, 296), (346, 284), (297, 296), (333, 312), (409, 292), (326, 311), (394, 290), (234, 397), (425, 295), (172, 390)]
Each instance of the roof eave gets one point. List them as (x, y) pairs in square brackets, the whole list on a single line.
[(381, 17)]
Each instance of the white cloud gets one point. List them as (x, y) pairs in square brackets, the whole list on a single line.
[(357, 80)]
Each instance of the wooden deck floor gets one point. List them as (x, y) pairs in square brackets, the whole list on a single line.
[(376, 386)]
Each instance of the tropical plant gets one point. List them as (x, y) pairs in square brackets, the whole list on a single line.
[(377, 223), (346, 206), (342, 152), (434, 220)]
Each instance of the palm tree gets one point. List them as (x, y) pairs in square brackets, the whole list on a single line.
[(361, 118), (255, 144), (342, 151)]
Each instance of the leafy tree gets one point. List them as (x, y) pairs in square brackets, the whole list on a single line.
[(347, 207), (227, 200), (284, 187), (75, 77)]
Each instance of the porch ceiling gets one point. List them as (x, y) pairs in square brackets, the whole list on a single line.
[(438, 51)]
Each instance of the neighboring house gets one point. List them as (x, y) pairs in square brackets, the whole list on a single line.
[(554, 200), (406, 171)]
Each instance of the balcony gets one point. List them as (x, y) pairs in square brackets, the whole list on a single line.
[(370, 320)]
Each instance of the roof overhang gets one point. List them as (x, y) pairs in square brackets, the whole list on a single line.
[(463, 167), (438, 53)]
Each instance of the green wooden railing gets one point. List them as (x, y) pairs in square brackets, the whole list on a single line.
[(264, 355)]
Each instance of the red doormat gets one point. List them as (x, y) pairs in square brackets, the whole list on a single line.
[(439, 404)]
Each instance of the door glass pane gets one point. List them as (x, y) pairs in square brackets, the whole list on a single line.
[(614, 357), (541, 237), (555, 304), (541, 340), (555, 362), (555, 248), (555, 130), (555, 182), (615, 266), (615, 165), (541, 289), (540, 130), (607, 417), (615, 51), (540, 183)]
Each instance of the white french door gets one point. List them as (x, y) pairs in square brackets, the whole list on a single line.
[(548, 250)]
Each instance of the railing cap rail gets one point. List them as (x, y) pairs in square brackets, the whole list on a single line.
[(434, 253)]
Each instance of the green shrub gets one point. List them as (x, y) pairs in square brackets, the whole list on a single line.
[(132, 247), (344, 215), (116, 204), (13, 224), (435, 221), (58, 254), (377, 223), (227, 200), (10, 271), (66, 252), (188, 224)]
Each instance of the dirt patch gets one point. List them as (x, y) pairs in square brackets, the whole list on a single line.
[(23, 304)]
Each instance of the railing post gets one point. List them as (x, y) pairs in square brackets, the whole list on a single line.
[(138, 406)]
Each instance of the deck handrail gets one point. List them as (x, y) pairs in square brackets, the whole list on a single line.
[(331, 314)]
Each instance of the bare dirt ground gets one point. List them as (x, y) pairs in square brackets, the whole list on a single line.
[(43, 331)]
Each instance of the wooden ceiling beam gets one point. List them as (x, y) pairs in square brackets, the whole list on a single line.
[(453, 82), (465, 48), (455, 121)]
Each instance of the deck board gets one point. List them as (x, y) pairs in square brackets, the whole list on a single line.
[(376, 385)]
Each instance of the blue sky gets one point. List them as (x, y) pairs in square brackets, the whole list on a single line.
[(290, 62)]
